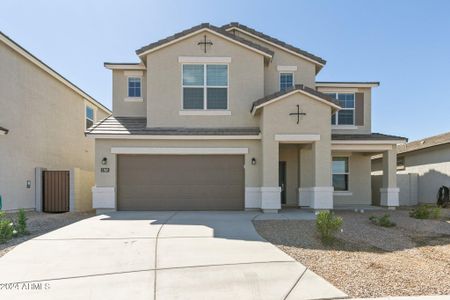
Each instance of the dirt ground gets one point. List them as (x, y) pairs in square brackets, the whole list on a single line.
[(40, 223), (412, 258)]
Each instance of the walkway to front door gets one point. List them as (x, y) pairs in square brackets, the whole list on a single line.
[(159, 255)]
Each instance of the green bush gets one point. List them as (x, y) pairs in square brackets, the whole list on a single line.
[(426, 212), (383, 221), (6, 228), (21, 226), (328, 224)]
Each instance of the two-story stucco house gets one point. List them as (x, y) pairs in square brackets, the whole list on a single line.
[(229, 118), (43, 117)]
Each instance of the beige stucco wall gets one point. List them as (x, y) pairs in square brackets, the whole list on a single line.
[(46, 120), (124, 108), (103, 149), (432, 166), (305, 74), (367, 127), (164, 96), (359, 180), (275, 119)]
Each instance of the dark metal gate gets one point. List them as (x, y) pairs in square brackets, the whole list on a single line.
[(56, 191)]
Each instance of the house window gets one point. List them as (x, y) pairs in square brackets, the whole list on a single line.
[(205, 86), (400, 162), (134, 87), (286, 81), (89, 116), (340, 173), (345, 116)]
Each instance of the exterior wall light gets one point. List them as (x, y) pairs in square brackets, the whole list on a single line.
[(253, 161), (104, 161)]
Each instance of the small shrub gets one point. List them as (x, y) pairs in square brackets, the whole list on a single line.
[(6, 228), (383, 221), (328, 224), (21, 226), (426, 212)]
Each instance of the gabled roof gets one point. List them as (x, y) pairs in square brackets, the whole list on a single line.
[(123, 126), (431, 141), (3, 131), (202, 27), (33, 59), (347, 83), (275, 42), (299, 88)]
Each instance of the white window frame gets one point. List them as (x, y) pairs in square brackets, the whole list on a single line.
[(349, 126), (133, 98), (344, 173), (86, 106), (285, 72), (205, 86)]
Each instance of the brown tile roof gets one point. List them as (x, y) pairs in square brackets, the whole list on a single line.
[(4, 130), (138, 126), (297, 87), (365, 137), (432, 141), (275, 41), (203, 26)]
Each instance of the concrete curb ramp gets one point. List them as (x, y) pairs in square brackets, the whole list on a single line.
[(158, 255)]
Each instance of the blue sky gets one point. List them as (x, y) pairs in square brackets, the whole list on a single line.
[(403, 44)]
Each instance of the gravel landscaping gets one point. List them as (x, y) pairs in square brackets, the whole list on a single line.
[(366, 260), (40, 223)]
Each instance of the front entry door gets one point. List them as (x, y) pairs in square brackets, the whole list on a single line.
[(282, 180)]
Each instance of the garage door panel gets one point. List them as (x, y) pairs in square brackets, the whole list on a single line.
[(180, 182)]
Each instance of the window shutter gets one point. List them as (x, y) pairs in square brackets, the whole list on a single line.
[(359, 109)]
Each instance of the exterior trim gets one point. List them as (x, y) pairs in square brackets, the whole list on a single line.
[(33, 59), (286, 68), (131, 66), (175, 137), (200, 59), (198, 31), (204, 112), (344, 127), (255, 108), (342, 193), (297, 137), (133, 99), (177, 151), (275, 45)]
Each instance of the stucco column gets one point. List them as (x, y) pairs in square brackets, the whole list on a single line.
[(270, 191), (389, 192), (323, 189)]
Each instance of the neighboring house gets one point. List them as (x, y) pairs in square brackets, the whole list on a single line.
[(423, 166), (43, 118), (217, 118)]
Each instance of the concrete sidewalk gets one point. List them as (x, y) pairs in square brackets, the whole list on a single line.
[(158, 255)]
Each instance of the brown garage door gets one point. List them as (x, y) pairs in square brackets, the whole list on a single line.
[(180, 182)]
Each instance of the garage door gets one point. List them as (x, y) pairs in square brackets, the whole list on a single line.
[(180, 182)]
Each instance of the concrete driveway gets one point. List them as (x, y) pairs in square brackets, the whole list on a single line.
[(157, 255)]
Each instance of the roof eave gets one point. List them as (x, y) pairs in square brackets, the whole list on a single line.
[(319, 64), (143, 52), (124, 66)]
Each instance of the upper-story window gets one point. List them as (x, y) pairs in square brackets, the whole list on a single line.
[(89, 116), (205, 86), (286, 81), (345, 116), (134, 87)]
